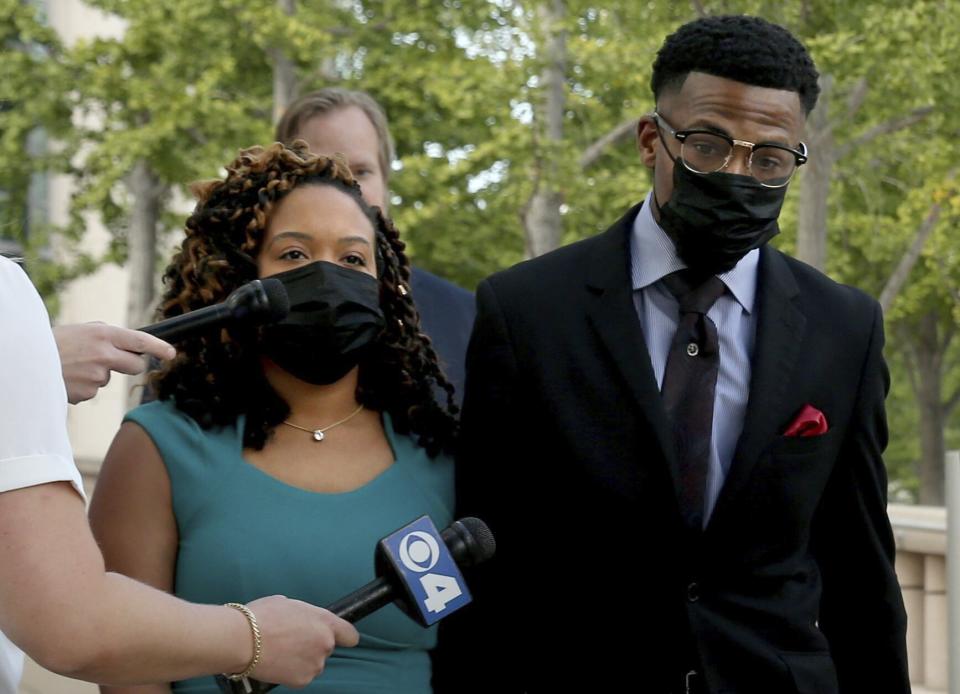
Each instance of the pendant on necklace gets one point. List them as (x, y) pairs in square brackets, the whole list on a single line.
[(318, 435)]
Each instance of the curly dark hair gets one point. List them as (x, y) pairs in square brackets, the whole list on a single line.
[(216, 378), (746, 49)]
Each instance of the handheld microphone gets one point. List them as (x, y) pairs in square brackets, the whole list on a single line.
[(469, 542), (413, 570), (259, 301)]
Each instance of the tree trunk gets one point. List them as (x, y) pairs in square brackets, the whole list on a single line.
[(541, 216), (284, 76), (898, 278), (815, 186), (928, 352), (147, 191), (823, 156), (542, 223)]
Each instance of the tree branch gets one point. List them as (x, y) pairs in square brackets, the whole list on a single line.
[(805, 11), (381, 27), (284, 71), (954, 292), (891, 126), (592, 153), (909, 357), (899, 275), (198, 137), (325, 74), (699, 8), (819, 125), (948, 335), (951, 403), (856, 97)]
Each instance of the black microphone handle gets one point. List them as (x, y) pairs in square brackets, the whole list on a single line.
[(172, 328), (363, 601)]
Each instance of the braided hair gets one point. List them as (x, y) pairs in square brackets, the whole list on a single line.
[(217, 378)]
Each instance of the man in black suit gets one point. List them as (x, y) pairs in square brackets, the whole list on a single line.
[(352, 123), (688, 494)]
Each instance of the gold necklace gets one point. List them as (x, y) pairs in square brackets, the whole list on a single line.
[(318, 434)]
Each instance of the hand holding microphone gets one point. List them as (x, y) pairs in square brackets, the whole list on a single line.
[(254, 303), (90, 352), (416, 572), (297, 639)]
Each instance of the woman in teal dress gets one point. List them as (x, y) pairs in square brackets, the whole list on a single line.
[(276, 458)]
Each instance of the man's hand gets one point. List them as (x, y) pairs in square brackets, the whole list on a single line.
[(297, 640), (90, 351)]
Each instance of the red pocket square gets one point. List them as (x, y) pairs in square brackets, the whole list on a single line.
[(810, 422)]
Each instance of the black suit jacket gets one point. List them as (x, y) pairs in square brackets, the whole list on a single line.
[(567, 455), (446, 314)]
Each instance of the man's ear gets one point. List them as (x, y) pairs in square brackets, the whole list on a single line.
[(647, 139)]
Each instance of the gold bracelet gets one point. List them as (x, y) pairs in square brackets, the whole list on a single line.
[(257, 642)]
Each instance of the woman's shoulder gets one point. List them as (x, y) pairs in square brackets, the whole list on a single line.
[(167, 424), (406, 445), (409, 454), (156, 414), (189, 452)]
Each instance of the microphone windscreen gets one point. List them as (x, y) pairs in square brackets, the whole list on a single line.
[(478, 542), (277, 299)]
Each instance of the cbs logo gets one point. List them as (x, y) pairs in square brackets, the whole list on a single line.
[(419, 553)]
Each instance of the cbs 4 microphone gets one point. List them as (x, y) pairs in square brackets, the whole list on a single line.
[(418, 569), (254, 303)]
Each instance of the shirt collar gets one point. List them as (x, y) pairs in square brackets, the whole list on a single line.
[(653, 256)]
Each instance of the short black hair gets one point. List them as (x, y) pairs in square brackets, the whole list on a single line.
[(745, 49)]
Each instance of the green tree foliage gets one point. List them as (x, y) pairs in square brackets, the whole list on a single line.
[(469, 194), (33, 111), (447, 104), (181, 89), (891, 64), (30, 59)]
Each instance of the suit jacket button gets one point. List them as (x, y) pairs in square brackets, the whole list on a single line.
[(693, 592)]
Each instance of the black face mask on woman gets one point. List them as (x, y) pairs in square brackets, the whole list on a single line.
[(334, 317), (715, 219)]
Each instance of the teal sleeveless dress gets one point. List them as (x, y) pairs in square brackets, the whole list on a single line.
[(245, 534)]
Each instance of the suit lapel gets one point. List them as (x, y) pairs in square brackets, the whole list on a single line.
[(612, 313), (780, 328)]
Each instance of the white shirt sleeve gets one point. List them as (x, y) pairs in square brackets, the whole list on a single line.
[(34, 448)]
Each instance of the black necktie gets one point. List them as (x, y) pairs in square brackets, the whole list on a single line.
[(690, 386)]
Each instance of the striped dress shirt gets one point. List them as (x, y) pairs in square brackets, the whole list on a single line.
[(652, 256)]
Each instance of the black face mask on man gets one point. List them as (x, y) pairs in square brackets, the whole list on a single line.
[(715, 219), (334, 317)]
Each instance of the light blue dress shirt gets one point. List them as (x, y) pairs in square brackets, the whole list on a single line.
[(652, 256)]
